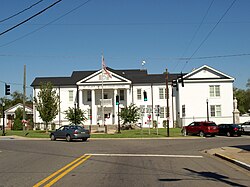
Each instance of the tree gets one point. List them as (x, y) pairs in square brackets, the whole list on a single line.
[(248, 84), (18, 119), (17, 97), (75, 115), (46, 103), (243, 98), (130, 114)]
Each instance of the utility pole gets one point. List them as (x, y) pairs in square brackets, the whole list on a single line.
[(167, 102), (24, 95)]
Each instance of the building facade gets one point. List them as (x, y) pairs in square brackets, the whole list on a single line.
[(207, 93)]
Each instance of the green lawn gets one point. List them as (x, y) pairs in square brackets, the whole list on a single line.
[(175, 132)]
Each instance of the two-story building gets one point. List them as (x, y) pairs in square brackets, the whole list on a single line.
[(207, 94)]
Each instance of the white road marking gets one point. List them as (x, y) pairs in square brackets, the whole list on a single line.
[(144, 155)]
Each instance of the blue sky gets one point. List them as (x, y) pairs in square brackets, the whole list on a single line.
[(127, 32)]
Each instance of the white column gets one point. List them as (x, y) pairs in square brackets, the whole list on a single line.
[(128, 97), (80, 97), (94, 108), (115, 107)]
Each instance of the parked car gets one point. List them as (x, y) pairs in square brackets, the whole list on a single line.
[(246, 127), (230, 129), (202, 128), (70, 132)]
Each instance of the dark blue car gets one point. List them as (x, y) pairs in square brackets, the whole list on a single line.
[(230, 129)]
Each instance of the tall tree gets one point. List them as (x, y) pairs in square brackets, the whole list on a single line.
[(130, 114), (243, 97), (248, 84), (46, 103), (75, 115), (17, 97)]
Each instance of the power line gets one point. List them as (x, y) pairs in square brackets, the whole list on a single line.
[(14, 15), (30, 17), (60, 17), (13, 83), (155, 58), (196, 32), (205, 39)]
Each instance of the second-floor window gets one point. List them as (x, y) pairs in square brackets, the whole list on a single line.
[(138, 94), (70, 95), (161, 93), (214, 91)]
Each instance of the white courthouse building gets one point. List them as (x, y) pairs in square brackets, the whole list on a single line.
[(207, 94)]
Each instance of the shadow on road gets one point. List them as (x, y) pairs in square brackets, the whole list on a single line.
[(215, 177), (243, 147)]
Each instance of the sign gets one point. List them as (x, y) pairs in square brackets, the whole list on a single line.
[(149, 117)]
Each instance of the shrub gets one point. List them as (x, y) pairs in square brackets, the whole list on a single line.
[(17, 124)]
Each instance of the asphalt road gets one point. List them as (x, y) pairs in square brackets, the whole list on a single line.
[(113, 162)]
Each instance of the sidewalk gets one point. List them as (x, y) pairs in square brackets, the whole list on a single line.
[(239, 155)]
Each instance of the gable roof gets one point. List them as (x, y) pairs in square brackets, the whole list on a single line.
[(19, 105), (136, 76), (206, 72)]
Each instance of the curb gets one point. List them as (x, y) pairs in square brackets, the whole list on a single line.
[(234, 161)]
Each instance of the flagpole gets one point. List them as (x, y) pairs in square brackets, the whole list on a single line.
[(102, 96)]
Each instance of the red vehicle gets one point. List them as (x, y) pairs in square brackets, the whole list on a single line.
[(202, 128)]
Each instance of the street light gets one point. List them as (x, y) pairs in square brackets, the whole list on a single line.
[(3, 104), (207, 111)]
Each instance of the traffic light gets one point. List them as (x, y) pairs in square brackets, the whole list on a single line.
[(174, 83), (182, 80), (145, 96), (117, 100), (7, 89)]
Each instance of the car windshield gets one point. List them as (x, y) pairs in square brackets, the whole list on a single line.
[(76, 127), (234, 125)]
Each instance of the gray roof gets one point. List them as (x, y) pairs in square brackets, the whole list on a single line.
[(136, 76)]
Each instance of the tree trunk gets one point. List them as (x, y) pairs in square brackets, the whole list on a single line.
[(46, 126)]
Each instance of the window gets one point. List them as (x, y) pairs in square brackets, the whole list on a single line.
[(89, 95), (105, 96), (138, 94), (215, 110), (70, 95), (161, 112), (214, 91), (142, 108), (121, 95), (149, 109), (161, 93)]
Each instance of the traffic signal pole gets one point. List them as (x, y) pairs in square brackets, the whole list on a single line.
[(167, 93), (117, 101)]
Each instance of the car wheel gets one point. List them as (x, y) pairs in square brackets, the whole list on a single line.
[(229, 134), (84, 139), (52, 137), (202, 134), (68, 138)]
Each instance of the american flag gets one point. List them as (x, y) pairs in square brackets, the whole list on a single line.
[(104, 68)]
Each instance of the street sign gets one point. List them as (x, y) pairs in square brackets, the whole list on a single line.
[(149, 117)]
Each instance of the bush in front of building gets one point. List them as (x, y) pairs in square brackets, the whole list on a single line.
[(17, 124)]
